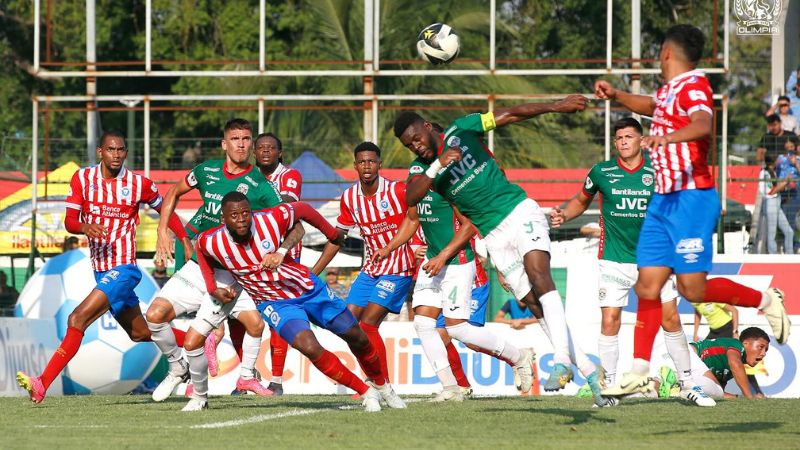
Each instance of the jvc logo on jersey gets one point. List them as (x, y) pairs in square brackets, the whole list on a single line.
[(460, 169), (424, 209), (213, 208), (632, 203)]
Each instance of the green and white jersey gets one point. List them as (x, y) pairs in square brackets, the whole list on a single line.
[(624, 197), (439, 224), (213, 182), (714, 353), (475, 185)]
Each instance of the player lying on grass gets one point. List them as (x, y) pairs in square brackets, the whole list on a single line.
[(715, 362), (103, 203), (676, 235), (289, 296)]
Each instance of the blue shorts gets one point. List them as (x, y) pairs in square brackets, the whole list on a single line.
[(389, 291), (318, 306), (477, 308), (677, 231), (118, 285)]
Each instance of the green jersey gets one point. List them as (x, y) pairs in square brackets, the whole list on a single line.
[(475, 185), (624, 197), (213, 182), (714, 353), (438, 222)]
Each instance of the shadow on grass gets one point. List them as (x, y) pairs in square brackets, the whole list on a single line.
[(578, 417), (733, 427)]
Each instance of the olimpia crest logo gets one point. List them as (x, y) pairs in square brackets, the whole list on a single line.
[(758, 17)]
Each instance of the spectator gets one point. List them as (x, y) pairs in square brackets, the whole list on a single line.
[(788, 168), (71, 243), (773, 141), (772, 214), (723, 320), (160, 272), (519, 314), (8, 296), (191, 155), (783, 109), (332, 280), (793, 91)]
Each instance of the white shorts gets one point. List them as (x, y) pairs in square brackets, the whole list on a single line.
[(616, 280), (186, 291), (450, 290), (524, 230), (699, 369)]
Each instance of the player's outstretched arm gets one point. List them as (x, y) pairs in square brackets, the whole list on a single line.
[(419, 185), (460, 240), (329, 251), (697, 317), (271, 261), (737, 369), (734, 318), (164, 241), (576, 206), (698, 128), (408, 227), (570, 104), (639, 104)]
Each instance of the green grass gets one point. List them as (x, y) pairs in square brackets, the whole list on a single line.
[(118, 422)]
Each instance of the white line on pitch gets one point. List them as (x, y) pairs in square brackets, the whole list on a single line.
[(257, 419)]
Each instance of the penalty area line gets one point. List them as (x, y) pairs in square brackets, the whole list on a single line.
[(256, 419)]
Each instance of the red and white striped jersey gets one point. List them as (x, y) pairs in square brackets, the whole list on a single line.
[(378, 217), (481, 278), (289, 183), (288, 180), (289, 280), (681, 165), (113, 203)]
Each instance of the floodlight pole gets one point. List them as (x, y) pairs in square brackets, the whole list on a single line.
[(36, 34)]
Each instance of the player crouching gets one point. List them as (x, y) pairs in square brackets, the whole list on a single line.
[(287, 294)]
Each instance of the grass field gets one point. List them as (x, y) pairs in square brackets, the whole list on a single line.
[(117, 422)]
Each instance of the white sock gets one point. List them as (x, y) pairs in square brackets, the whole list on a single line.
[(198, 371), (277, 380), (678, 349), (483, 338), (765, 301), (584, 364), (251, 345), (553, 310), (434, 349), (640, 366), (164, 338), (608, 348)]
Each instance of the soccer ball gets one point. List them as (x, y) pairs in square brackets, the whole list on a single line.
[(438, 44), (108, 362)]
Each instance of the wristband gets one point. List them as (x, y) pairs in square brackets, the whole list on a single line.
[(283, 251), (434, 169)]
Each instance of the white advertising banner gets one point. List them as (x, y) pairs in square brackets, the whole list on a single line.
[(26, 344)]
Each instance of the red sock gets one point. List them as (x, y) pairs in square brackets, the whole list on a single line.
[(723, 290), (377, 342), (236, 330), (278, 348), (648, 321), (179, 336), (330, 365), (455, 365), (370, 361), (64, 353)]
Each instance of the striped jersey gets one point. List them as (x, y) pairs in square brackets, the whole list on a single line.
[(113, 203), (481, 278), (289, 280), (378, 217), (288, 180), (289, 183), (681, 165)]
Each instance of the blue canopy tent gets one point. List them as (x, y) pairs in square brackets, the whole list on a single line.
[(321, 184)]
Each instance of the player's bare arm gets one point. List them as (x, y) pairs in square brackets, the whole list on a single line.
[(639, 104), (699, 128), (419, 185), (329, 251), (164, 250), (734, 319), (73, 224), (737, 370), (570, 104), (460, 240), (404, 234), (221, 294), (576, 206)]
